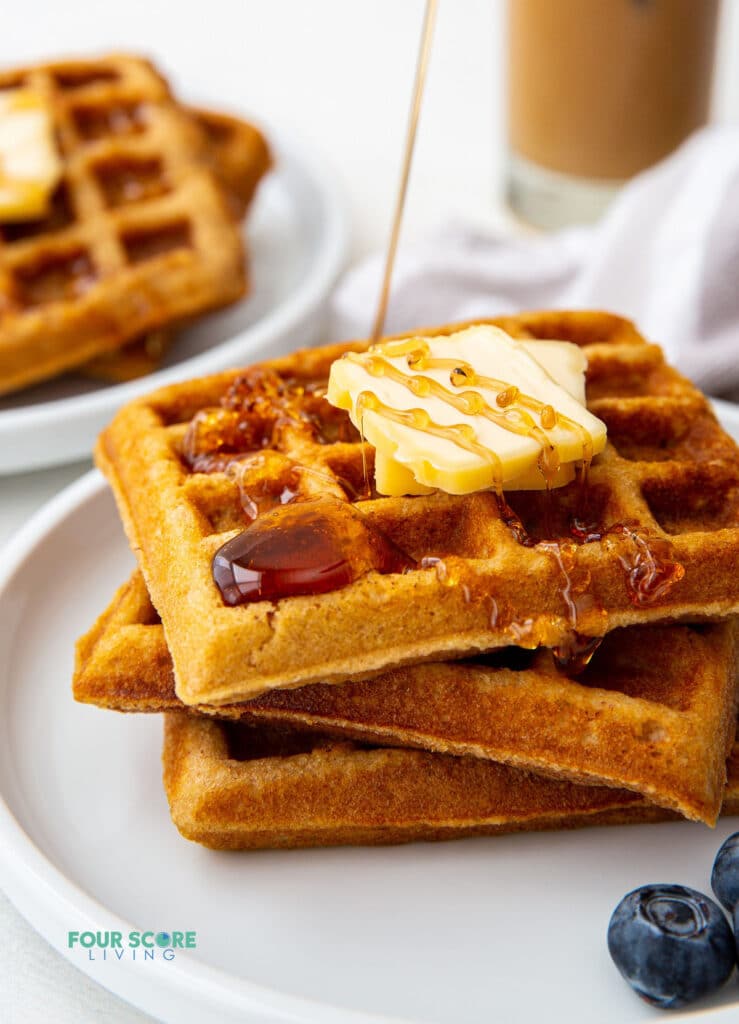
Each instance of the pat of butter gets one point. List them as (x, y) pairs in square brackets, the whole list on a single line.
[(391, 477), (29, 164), (434, 427)]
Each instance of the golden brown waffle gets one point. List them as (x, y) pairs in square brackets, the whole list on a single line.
[(232, 786), (139, 235), (237, 152), (669, 472), (654, 712), (238, 155)]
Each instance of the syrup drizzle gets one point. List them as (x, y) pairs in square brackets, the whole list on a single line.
[(278, 481), (438, 564), (563, 553), (650, 573), (651, 570), (521, 631), (265, 480), (514, 523), (576, 650)]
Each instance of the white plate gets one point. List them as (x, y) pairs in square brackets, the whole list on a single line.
[(510, 929), (728, 413), (297, 238)]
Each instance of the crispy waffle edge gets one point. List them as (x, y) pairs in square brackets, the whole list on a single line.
[(336, 794)]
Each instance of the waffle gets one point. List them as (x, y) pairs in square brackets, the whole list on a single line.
[(654, 712), (239, 157), (669, 471), (139, 234), (231, 786), (237, 152)]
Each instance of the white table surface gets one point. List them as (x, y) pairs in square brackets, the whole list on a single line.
[(338, 74)]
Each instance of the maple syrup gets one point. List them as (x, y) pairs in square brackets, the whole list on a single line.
[(438, 564), (514, 523), (584, 532), (216, 437), (521, 632), (576, 593), (252, 415), (650, 570), (265, 480), (309, 547), (575, 653)]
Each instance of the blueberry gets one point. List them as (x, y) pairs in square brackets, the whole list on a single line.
[(725, 874), (672, 944)]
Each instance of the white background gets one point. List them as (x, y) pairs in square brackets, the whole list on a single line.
[(337, 74)]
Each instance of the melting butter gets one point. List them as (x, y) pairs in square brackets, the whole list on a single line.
[(30, 167), (469, 411)]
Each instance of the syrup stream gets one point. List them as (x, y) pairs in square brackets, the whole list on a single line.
[(410, 141)]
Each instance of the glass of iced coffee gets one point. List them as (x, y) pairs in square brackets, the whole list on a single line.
[(598, 90)]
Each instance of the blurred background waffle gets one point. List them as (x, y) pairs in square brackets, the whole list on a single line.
[(658, 539), (142, 232), (237, 153)]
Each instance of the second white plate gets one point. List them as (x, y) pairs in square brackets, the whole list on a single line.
[(509, 929), (297, 237)]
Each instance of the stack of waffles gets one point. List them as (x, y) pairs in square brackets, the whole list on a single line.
[(144, 228), (482, 666)]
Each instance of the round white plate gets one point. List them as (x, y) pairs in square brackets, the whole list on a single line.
[(297, 235), (728, 413), (508, 929)]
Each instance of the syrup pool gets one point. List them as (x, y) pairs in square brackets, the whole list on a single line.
[(309, 547)]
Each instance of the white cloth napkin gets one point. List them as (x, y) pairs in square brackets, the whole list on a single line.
[(666, 254)]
